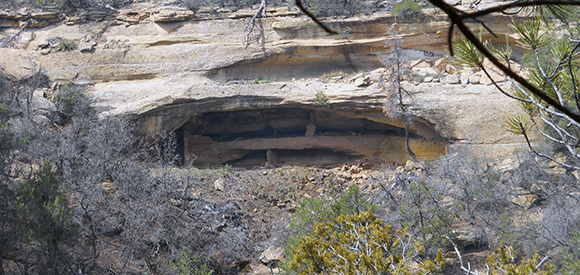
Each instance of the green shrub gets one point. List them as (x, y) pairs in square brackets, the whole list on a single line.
[(429, 221), (43, 3), (66, 45), (505, 261), (72, 101), (571, 257), (8, 141), (189, 264), (360, 244), (315, 211), (43, 209), (73, 5), (407, 8), (321, 98), (324, 8)]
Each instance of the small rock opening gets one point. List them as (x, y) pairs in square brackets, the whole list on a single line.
[(304, 62), (296, 136)]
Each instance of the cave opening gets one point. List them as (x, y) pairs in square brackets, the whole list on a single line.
[(312, 136)]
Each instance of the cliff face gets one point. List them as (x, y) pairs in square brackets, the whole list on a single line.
[(292, 89)]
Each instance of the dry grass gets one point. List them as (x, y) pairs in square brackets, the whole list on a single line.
[(328, 76)]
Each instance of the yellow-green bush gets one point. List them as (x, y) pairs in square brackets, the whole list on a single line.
[(360, 243)]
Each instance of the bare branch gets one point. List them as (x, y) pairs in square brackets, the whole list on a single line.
[(466, 269), (457, 17), (542, 262), (250, 28), (516, 4), (501, 89), (512, 12), (545, 108), (546, 156), (486, 27), (313, 17), (549, 78), (450, 38), (574, 86)]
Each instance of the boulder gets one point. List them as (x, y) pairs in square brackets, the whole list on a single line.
[(260, 269), (475, 78), (465, 74), (39, 101), (17, 64), (45, 51), (420, 64), (452, 79), (424, 72), (356, 76), (495, 77), (42, 121), (450, 69), (490, 67), (526, 201), (87, 46), (272, 256), (441, 64), (219, 185), (576, 174), (175, 202), (414, 166), (362, 81)]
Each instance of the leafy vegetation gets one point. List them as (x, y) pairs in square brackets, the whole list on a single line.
[(230, 4), (66, 45), (44, 215), (7, 142), (406, 9), (316, 211), (336, 7), (467, 55), (66, 5), (571, 256), (189, 264), (505, 261), (321, 98), (67, 190), (136, 196), (360, 244), (72, 101)]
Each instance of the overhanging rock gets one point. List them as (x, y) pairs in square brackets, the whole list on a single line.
[(257, 131)]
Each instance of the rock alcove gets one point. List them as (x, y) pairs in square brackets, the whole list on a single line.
[(312, 135)]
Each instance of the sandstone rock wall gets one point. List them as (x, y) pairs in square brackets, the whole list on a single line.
[(164, 66)]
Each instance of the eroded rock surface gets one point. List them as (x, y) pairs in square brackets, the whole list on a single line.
[(172, 70)]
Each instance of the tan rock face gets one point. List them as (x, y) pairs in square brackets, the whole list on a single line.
[(168, 67), (171, 15), (17, 64), (526, 201)]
